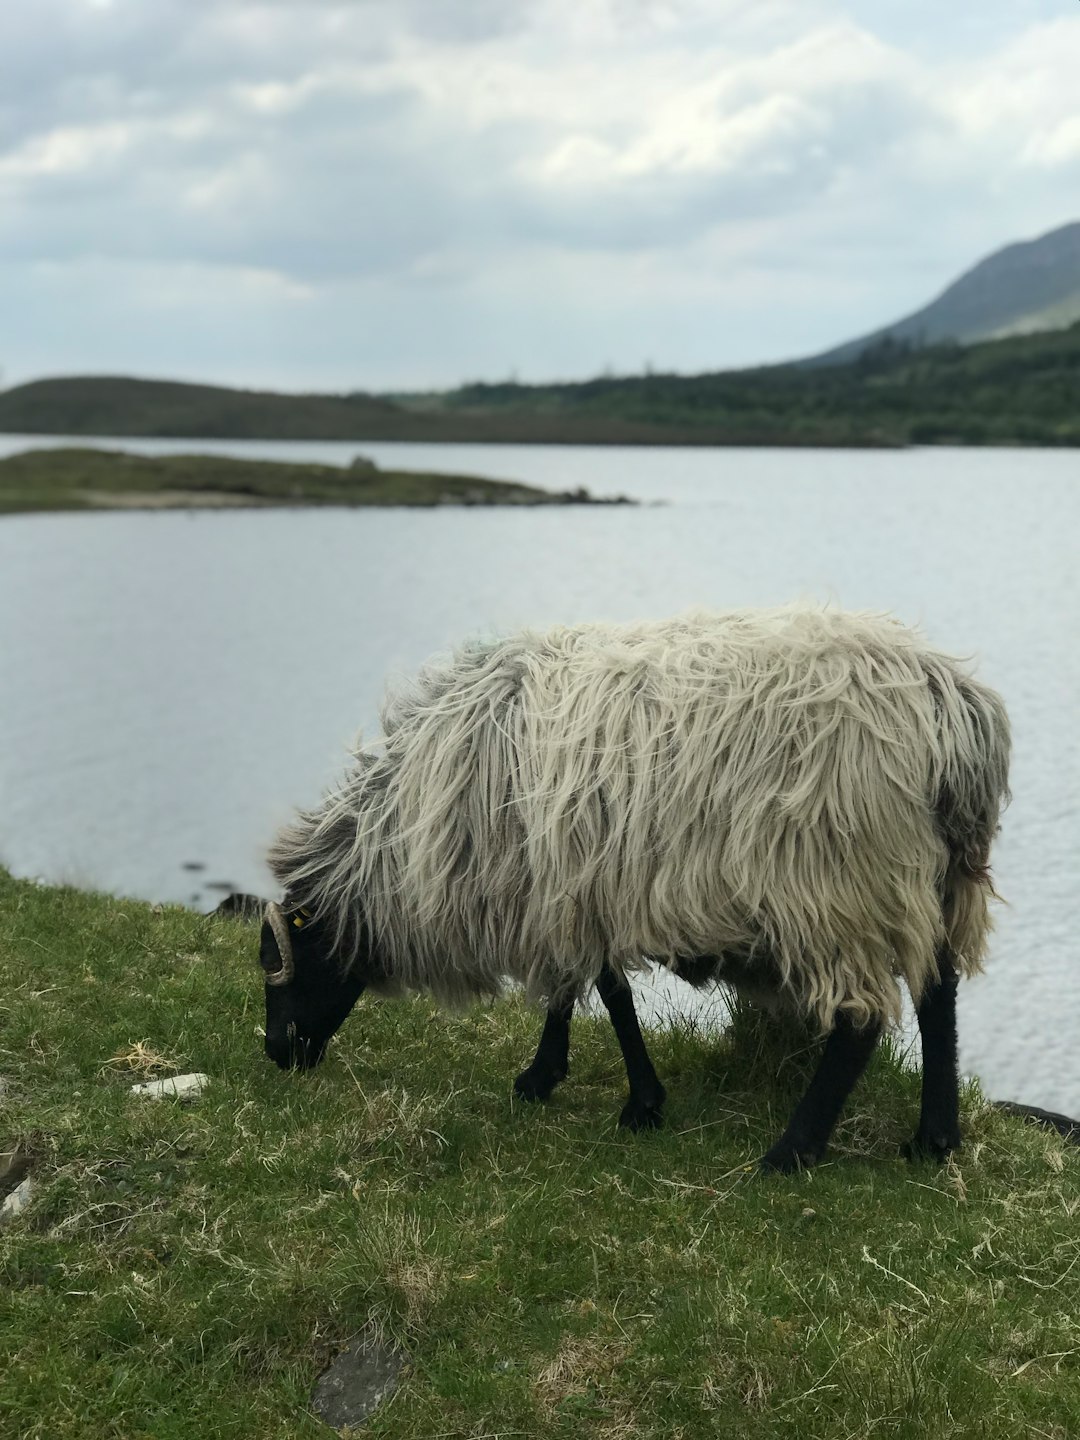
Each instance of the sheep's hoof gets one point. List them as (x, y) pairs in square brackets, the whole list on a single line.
[(785, 1159), (533, 1084), (933, 1145), (639, 1115)]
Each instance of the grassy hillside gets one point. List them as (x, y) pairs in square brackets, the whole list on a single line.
[(187, 1272), (119, 407), (1019, 391), (106, 479), (96, 405)]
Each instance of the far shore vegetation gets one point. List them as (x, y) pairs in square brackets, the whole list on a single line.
[(1024, 390), (90, 479), (187, 1271)]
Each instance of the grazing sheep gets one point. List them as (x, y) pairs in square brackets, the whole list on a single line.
[(798, 802)]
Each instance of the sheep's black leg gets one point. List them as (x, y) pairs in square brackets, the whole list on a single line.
[(842, 1062), (643, 1110), (939, 1122), (551, 1063)]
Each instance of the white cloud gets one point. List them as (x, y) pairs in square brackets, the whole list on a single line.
[(448, 153), (69, 150), (1055, 147)]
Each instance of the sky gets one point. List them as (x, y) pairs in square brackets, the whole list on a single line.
[(403, 194)]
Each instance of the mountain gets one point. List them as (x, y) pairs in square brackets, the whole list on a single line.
[(1021, 290)]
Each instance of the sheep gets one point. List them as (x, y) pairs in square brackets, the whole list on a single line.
[(796, 802)]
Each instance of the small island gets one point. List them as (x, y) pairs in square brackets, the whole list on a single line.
[(92, 479)]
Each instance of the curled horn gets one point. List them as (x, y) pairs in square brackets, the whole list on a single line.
[(276, 916)]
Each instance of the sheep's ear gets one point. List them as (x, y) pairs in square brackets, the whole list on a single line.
[(275, 948)]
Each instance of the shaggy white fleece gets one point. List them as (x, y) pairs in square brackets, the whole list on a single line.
[(807, 793)]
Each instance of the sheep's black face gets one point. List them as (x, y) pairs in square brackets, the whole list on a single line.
[(304, 1011)]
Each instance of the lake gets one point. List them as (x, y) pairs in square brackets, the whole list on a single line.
[(174, 683)]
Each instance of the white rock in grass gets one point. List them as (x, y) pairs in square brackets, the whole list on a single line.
[(17, 1201), (178, 1087)]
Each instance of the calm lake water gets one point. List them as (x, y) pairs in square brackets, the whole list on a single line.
[(172, 684)]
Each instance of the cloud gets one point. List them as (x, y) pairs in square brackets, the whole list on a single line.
[(445, 151)]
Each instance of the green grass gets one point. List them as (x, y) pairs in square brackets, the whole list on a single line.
[(189, 1271), (78, 479)]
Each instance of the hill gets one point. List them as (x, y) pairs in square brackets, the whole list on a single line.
[(1023, 289), (119, 406), (1023, 390)]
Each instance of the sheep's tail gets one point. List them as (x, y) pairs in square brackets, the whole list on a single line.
[(973, 789)]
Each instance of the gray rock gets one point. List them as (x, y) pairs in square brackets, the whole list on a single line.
[(1066, 1127), (17, 1201), (14, 1164), (357, 1383), (179, 1087), (244, 907)]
